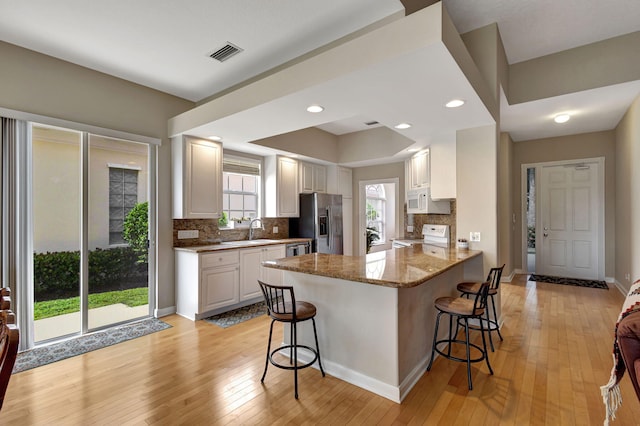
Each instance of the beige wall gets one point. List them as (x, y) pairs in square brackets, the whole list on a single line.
[(385, 171), (506, 226), (627, 202), (476, 202), (588, 67), (588, 145), (39, 84)]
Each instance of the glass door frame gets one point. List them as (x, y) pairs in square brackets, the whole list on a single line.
[(23, 198)]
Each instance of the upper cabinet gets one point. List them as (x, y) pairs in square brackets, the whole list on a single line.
[(443, 170), (196, 178), (281, 186), (313, 177), (417, 171)]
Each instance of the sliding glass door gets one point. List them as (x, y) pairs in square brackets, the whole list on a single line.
[(90, 230)]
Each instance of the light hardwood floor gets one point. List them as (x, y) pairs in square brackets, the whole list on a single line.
[(548, 370)]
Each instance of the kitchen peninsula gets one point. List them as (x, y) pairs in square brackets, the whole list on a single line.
[(375, 312)]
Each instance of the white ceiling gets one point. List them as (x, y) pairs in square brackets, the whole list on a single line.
[(164, 44)]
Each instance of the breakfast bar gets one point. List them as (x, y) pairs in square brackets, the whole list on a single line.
[(375, 312)]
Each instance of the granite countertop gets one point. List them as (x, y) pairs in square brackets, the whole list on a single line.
[(399, 268), (229, 245)]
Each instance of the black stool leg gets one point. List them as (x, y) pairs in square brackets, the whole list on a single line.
[(435, 337), (295, 358), (315, 334), (466, 332), (450, 333), (495, 316), (266, 362), (488, 327), (484, 345)]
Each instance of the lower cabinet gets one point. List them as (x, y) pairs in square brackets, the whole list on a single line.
[(210, 283), (251, 269)]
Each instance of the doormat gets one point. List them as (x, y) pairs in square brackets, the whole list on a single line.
[(569, 281), (43, 355), (227, 319)]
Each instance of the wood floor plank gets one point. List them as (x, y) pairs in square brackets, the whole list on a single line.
[(555, 356)]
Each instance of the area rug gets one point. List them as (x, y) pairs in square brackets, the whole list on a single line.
[(89, 342), (227, 319), (569, 281)]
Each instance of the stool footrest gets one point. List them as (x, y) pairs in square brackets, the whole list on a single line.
[(292, 367), (463, 343)]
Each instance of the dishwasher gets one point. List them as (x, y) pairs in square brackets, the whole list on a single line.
[(297, 249)]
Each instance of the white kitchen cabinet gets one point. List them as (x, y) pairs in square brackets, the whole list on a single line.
[(313, 177), (206, 282), (219, 287), (251, 269), (417, 171), (443, 170), (196, 178), (281, 187)]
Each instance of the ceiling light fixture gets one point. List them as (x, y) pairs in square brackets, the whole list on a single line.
[(454, 103), (561, 118), (315, 108), (215, 138), (402, 126)]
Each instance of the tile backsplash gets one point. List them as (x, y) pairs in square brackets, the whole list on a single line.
[(210, 233), (417, 220)]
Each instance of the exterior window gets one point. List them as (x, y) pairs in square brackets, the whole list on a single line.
[(376, 206), (240, 188), (123, 196)]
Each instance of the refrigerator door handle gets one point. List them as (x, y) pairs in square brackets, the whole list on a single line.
[(329, 230)]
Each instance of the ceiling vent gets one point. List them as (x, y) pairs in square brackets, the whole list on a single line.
[(225, 52), (371, 123)]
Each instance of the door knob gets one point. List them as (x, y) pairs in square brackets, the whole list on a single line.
[(546, 234)]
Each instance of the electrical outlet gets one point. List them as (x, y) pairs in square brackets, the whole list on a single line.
[(627, 277), (474, 236), (275, 229), (182, 235), (409, 228)]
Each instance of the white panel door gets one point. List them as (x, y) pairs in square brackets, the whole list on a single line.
[(568, 236)]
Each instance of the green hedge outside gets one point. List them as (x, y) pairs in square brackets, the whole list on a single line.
[(57, 274)]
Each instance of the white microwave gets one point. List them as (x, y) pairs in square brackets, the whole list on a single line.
[(419, 202)]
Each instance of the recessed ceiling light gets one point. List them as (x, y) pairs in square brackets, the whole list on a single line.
[(561, 118), (215, 138), (315, 108), (454, 103), (402, 126)]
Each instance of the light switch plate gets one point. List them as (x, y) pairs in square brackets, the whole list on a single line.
[(275, 229), (182, 235), (474, 236)]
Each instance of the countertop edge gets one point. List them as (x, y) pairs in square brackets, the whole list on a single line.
[(221, 246), (470, 254)]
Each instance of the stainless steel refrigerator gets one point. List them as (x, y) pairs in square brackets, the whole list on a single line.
[(321, 219)]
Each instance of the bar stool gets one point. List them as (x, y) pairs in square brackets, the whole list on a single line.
[(471, 288), (283, 307), (462, 310)]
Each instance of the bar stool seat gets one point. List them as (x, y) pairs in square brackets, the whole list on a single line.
[(283, 307), (468, 289), (462, 310)]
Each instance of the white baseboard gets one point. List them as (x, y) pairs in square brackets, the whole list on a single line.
[(159, 313), (358, 379)]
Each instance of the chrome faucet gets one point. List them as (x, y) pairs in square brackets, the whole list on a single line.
[(251, 226)]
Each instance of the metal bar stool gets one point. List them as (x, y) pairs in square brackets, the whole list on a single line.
[(283, 307), (471, 288), (462, 310)]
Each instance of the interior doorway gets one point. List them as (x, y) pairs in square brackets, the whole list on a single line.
[(563, 214), (378, 221)]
